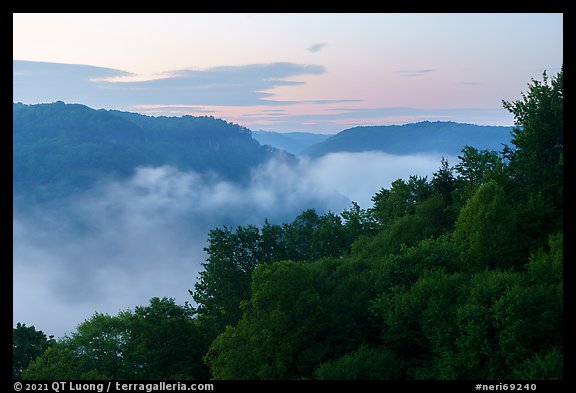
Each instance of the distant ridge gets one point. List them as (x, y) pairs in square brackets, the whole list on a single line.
[(60, 149), (445, 137), (292, 142)]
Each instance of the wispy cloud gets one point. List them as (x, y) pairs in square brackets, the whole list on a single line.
[(339, 118), (173, 109), (317, 47), (412, 73), (102, 87), (332, 117), (470, 83), (240, 94)]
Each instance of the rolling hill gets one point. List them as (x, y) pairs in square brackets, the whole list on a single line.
[(60, 149), (441, 137), (292, 142)]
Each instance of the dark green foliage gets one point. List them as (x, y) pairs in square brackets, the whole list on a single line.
[(159, 341), (418, 323), (27, 344), (430, 217), (546, 365), (546, 267), (443, 182), (225, 281), (60, 363), (478, 167), (539, 138), (166, 343), (486, 229), (298, 236), (478, 355), (365, 363), (310, 237), (358, 222), (299, 315), (429, 220), (233, 255), (400, 200), (283, 310), (101, 342), (403, 269)]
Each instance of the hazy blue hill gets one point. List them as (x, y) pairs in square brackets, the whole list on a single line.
[(18, 105), (292, 142), (63, 148), (443, 137)]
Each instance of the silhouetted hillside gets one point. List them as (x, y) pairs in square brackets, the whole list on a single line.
[(292, 142), (63, 148), (440, 136)]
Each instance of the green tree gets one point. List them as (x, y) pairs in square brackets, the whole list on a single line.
[(486, 229), (60, 363), (430, 219), (477, 167), (418, 322), (528, 321), (165, 342), (102, 342), (365, 363), (299, 234), (225, 280), (546, 365), (233, 255), (279, 321), (546, 266), (27, 344), (358, 222), (400, 199), (299, 316), (443, 181), (537, 161), (531, 318), (273, 243), (329, 239), (158, 341)]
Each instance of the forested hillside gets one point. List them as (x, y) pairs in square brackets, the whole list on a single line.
[(445, 137), (60, 149), (459, 276)]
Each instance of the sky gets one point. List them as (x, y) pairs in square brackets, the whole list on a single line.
[(288, 72)]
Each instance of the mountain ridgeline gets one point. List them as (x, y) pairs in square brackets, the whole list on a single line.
[(60, 149), (292, 142), (445, 137), (64, 149)]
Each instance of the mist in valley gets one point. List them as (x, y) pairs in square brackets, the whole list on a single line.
[(115, 246)]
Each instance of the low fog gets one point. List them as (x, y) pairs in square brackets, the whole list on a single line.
[(121, 243)]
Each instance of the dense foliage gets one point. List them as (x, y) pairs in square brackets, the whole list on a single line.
[(159, 341), (99, 144), (28, 344), (455, 277)]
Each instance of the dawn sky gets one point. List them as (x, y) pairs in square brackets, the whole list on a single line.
[(288, 72)]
